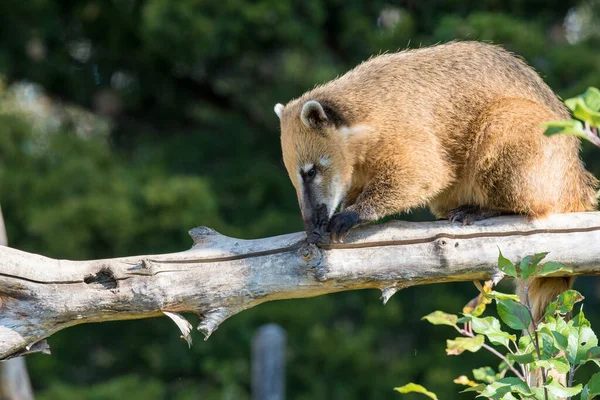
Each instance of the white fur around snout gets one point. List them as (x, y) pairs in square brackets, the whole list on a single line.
[(310, 110), (307, 167), (336, 192), (279, 109)]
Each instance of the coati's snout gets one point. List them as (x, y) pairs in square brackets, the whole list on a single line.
[(317, 198), (314, 156), (316, 224)]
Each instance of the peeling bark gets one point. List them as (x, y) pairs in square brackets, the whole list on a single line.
[(220, 276)]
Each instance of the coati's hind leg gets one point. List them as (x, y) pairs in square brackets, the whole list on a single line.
[(468, 214), (514, 168)]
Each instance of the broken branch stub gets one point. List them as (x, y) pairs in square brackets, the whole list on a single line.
[(221, 276)]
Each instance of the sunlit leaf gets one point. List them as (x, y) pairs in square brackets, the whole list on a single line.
[(567, 127), (485, 374), (525, 345), (529, 264), (476, 306), (560, 364), (441, 318), (414, 388), (552, 267), (490, 327), (502, 386), (591, 98), (581, 340), (522, 358), (464, 380), (477, 388), (557, 329), (557, 389), (564, 303), (461, 344), (504, 296), (581, 110), (506, 266)]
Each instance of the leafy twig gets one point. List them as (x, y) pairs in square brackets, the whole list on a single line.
[(493, 351)]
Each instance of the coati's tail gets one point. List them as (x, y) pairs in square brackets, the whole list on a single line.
[(538, 293)]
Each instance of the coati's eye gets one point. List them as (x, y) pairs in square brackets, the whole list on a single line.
[(311, 172)]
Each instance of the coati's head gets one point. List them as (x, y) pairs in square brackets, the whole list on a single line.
[(314, 141)]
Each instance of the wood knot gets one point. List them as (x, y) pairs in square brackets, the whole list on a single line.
[(103, 279)]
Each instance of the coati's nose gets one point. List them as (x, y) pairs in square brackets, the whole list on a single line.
[(316, 225)]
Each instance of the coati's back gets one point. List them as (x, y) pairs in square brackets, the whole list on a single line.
[(443, 86)]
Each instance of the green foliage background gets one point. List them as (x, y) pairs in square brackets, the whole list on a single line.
[(194, 141)]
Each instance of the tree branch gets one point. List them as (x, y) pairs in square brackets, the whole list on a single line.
[(221, 276)]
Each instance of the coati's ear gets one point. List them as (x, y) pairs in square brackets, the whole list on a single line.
[(279, 109), (313, 115)]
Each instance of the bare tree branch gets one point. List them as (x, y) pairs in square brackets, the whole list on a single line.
[(221, 276), (14, 378)]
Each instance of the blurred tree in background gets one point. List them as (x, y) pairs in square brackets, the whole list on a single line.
[(124, 123)]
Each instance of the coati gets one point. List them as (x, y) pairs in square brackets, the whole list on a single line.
[(455, 127)]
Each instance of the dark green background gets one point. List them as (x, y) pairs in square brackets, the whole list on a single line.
[(194, 141)]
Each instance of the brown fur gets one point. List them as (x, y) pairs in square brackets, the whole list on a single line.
[(448, 126)]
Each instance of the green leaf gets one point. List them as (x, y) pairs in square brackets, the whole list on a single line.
[(547, 340), (525, 345), (522, 358), (581, 340), (560, 364), (441, 318), (508, 396), (558, 329), (551, 267), (485, 374), (506, 266), (591, 97), (414, 388), (490, 327), (513, 314), (557, 389), (540, 394), (592, 354), (584, 107), (477, 388), (567, 127), (460, 344), (529, 264), (564, 303), (592, 388), (502, 386)]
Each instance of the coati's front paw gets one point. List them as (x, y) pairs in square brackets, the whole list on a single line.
[(341, 223)]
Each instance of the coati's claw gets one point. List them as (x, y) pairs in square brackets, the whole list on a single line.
[(341, 223), (468, 214)]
